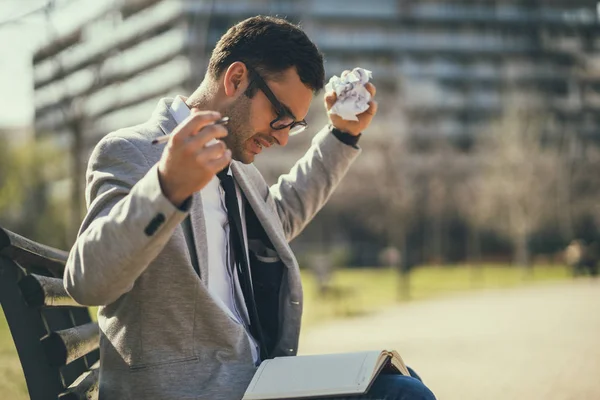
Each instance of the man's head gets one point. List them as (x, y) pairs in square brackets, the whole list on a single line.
[(266, 71)]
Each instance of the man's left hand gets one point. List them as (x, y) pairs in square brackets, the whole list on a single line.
[(364, 119)]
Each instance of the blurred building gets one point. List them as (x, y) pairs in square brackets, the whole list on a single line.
[(454, 62), (441, 68)]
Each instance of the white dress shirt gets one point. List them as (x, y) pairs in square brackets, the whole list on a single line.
[(220, 282)]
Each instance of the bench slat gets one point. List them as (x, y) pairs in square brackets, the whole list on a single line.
[(36, 305), (43, 291), (26, 329), (31, 254), (85, 387), (67, 345)]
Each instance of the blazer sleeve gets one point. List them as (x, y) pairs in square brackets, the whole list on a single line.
[(301, 193), (128, 223)]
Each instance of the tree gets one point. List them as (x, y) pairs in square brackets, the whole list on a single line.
[(382, 192), (27, 205), (518, 181)]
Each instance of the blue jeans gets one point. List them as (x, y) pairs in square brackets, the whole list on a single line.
[(396, 387)]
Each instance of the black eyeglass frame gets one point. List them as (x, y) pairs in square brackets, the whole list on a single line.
[(280, 109)]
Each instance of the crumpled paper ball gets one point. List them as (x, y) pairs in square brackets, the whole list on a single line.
[(352, 97)]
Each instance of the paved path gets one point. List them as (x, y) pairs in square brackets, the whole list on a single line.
[(539, 342)]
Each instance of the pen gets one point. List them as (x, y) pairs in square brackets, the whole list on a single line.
[(165, 138)]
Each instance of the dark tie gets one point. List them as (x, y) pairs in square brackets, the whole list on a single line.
[(236, 238)]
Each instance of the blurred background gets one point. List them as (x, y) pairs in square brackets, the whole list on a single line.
[(457, 235)]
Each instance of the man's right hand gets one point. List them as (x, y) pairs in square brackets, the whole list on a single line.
[(187, 164)]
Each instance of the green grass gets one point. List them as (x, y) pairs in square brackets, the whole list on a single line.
[(12, 382), (371, 290)]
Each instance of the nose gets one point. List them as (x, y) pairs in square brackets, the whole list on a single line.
[(282, 136)]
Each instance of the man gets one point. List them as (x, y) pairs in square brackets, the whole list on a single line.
[(193, 273)]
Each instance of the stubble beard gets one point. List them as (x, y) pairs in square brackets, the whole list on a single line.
[(239, 128)]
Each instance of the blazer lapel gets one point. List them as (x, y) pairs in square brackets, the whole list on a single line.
[(265, 217), (199, 235), (167, 124), (164, 118)]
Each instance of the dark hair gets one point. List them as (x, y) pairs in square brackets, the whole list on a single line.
[(269, 45)]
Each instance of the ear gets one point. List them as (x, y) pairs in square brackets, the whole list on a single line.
[(235, 79)]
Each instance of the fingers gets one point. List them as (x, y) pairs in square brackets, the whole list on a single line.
[(372, 110), (371, 89), (206, 134), (330, 99), (192, 125), (217, 164), (211, 152)]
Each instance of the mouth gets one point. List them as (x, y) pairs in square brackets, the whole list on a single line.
[(257, 143)]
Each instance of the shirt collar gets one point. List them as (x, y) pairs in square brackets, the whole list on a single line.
[(179, 110)]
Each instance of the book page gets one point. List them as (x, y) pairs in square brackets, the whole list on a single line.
[(313, 376), (399, 363), (390, 362)]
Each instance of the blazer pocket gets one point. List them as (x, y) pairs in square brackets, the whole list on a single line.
[(266, 259), (267, 274), (262, 251), (266, 266)]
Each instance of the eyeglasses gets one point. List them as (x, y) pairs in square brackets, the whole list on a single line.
[(285, 118)]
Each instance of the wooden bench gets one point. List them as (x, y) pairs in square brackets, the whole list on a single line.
[(55, 338)]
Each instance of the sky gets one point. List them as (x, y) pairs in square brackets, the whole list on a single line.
[(18, 41)]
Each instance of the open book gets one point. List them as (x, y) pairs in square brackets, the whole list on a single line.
[(305, 377)]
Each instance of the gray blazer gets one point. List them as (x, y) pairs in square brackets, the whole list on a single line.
[(163, 336)]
